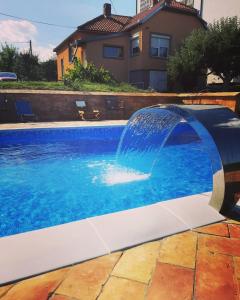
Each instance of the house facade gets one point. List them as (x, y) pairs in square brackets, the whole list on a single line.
[(134, 49)]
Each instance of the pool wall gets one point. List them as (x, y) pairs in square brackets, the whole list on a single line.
[(61, 106)]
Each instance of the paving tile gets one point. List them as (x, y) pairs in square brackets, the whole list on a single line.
[(85, 280), (214, 277), (179, 249), (170, 283), (62, 297), (123, 289), (237, 266), (234, 231), (238, 282), (219, 244), (4, 289), (220, 229), (37, 288), (138, 263), (229, 221)]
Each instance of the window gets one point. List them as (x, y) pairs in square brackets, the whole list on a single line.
[(158, 80), (112, 52), (159, 45), (188, 2), (70, 53), (62, 67), (135, 49)]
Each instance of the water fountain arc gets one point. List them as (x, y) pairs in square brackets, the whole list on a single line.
[(219, 129)]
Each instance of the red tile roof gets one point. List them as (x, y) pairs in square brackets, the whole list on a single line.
[(114, 23), (118, 23), (182, 6)]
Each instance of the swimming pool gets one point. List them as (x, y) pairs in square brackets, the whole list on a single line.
[(55, 176)]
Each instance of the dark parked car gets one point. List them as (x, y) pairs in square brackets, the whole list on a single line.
[(8, 76)]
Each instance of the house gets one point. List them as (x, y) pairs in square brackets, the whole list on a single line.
[(134, 49)]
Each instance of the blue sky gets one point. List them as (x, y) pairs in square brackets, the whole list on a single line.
[(64, 12)]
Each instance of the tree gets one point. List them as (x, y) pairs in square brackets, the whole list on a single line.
[(49, 70), (223, 49), (28, 67), (187, 64), (216, 49), (8, 56)]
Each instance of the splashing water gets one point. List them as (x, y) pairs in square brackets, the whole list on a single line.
[(140, 144), (118, 175), (143, 138)]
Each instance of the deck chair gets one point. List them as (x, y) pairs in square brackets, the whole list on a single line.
[(85, 113), (24, 110)]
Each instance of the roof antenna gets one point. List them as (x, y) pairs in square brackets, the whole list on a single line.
[(201, 8), (113, 6)]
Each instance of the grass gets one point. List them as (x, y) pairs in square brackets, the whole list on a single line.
[(84, 86)]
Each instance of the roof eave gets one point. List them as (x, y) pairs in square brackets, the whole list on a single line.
[(145, 19), (65, 41)]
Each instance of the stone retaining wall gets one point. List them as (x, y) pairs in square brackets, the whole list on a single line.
[(61, 105)]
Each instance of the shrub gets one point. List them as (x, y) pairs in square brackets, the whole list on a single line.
[(216, 50), (87, 73)]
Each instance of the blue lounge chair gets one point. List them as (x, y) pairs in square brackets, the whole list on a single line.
[(24, 110)]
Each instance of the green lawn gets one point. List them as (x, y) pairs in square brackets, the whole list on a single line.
[(84, 86)]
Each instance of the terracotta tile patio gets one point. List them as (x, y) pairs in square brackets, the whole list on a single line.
[(203, 264)]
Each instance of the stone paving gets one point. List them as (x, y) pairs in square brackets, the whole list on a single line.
[(202, 264)]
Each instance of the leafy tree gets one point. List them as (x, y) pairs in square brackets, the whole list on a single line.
[(223, 49), (49, 70), (8, 56), (216, 49), (28, 67), (187, 64)]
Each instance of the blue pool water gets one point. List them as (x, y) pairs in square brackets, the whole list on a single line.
[(54, 176)]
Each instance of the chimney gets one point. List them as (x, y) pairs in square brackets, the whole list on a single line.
[(107, 10)]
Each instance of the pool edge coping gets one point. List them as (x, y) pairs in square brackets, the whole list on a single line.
[(67, 244), (64, 124)]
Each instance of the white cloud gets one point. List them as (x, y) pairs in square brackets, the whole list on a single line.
[(15, 32), (44, 52)]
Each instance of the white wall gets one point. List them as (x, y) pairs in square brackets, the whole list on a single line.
[(216, 9), (145, 3)]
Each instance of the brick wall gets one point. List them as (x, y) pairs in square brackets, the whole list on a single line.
[(231, 100), (60, 105)]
